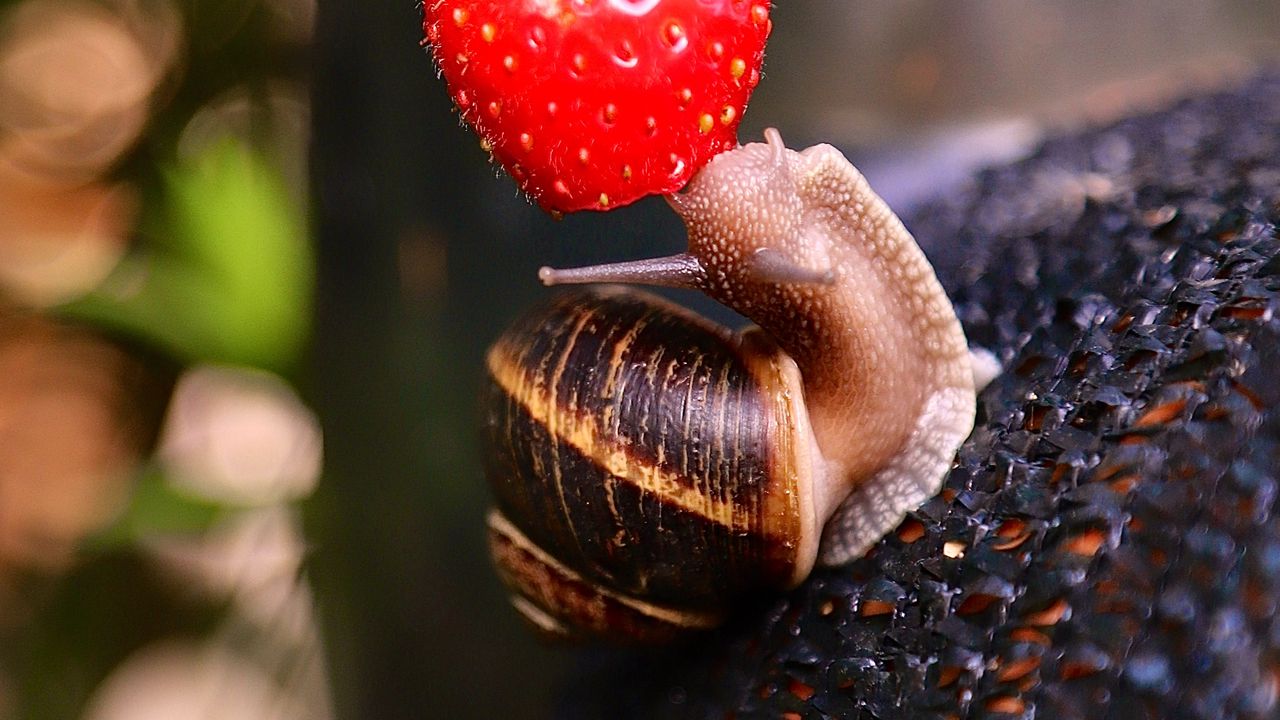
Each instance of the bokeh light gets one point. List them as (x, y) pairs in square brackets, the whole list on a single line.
[(77, 79), (57, 243), (240, 436), (188, 680), (77, 414)]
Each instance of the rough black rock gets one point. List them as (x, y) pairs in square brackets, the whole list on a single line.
[(1109, 544)]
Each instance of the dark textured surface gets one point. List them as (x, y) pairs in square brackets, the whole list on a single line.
[(1108, 546)]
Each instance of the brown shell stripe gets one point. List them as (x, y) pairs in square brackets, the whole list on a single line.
[(585, 435), (542, 582)]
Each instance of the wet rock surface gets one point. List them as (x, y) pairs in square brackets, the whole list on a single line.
[(1108, 544)]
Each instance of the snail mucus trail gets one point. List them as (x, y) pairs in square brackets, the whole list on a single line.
[(650, 468)]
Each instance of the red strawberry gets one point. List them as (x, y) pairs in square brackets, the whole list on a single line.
[(592, 104)]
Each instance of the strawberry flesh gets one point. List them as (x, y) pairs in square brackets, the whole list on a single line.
[(593, 104)]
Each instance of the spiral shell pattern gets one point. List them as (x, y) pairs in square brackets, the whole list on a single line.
[(643, 461)]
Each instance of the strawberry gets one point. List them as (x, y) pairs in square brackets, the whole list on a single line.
[(593, 104)]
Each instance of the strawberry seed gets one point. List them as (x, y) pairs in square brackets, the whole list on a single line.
[(677, 165), (673, 33), (537, 38), (625, 56)]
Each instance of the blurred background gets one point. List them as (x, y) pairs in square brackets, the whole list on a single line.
[(249, 265)]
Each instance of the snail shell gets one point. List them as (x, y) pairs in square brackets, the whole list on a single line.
[(657, 453), (651, 468)]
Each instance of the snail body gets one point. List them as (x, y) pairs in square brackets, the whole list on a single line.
[(650, 467)]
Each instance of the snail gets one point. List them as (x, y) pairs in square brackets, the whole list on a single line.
[(651, 468)]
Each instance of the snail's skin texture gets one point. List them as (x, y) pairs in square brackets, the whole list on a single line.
[(1108, 545), (888, 382)]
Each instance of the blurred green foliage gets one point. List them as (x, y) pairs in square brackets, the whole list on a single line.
[(227, 273), (221, 270), (157, 506), (90, 622)]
